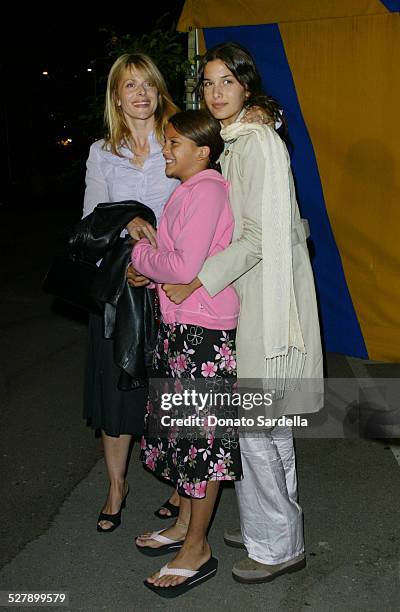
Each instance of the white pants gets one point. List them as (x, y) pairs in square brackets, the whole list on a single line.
[(270, 517)]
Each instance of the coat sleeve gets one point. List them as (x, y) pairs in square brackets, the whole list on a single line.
[(96, 186), (245, 252), (182, 263)]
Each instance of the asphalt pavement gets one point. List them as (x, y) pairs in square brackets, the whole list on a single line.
[(53, 479)]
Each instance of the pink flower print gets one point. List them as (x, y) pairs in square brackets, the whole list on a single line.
[(200, 489), (172, 364), (166, 344), (208, 369), (181, 363), (219, 468), (210, 440), (192, 452), (225, 351), (154, 452), (150, 462), (178, 387), (143, 443), (230, 363), (188, 488), (224, 354)]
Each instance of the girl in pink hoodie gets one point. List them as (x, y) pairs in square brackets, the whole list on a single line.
[(195, 352)]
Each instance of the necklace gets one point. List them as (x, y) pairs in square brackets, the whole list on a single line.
[(140, 154)]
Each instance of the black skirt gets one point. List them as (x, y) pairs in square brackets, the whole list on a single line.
[(115, 412), (192, 358)]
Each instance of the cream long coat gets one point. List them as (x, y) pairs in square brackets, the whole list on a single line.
[(244, 166)]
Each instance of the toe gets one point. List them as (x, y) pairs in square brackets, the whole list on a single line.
[(105, 524), (153, 579), (171, 581), (144, 536)]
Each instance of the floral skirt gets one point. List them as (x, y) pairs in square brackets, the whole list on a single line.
[(190, 431)]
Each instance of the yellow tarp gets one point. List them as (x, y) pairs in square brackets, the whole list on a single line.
[(347, 80), (343, 56), (222, 13)]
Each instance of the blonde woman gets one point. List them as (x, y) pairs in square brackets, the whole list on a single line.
[(126, 165)]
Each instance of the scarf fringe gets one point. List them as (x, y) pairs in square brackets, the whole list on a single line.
[(285, 371)]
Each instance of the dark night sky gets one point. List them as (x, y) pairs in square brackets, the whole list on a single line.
[(36, 110), (62, 36)]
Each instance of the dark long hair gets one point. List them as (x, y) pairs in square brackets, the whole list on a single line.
[(241, 63), (203, 129)]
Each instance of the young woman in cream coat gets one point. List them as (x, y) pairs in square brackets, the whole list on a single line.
[(278, 336)]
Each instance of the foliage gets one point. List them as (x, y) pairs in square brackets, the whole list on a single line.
[(166, 47)]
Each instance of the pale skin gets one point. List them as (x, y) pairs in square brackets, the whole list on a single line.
[(137, 99)]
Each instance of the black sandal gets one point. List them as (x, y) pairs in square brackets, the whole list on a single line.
[(174, 510), (115, 519), (193, 578)]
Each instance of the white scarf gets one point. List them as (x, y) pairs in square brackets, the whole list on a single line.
[(284, 348)]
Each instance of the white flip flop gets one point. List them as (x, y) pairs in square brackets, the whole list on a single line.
[(193, 578), (168, 545)]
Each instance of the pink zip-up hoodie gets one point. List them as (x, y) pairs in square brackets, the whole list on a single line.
[(196, 222)]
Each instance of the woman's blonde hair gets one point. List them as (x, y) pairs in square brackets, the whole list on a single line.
[(118, 131)]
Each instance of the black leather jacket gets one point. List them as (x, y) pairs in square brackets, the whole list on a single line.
[(130, 316)]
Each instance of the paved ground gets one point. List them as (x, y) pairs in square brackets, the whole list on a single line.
[(53, 482)]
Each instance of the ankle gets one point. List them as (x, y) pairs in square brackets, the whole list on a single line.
[(175, 498), (118, 488), (197, 547), (182, 524), (182, 527)]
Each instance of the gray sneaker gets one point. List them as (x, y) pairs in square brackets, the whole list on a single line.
[(249, 571), (233, 537)]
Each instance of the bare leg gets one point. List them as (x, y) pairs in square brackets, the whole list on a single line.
[(177, 531), (196, 550), (116, 456), (174, 499)]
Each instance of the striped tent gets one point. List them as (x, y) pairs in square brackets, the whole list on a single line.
[(334, 67)]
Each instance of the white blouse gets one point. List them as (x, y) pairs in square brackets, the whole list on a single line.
[(110, 178)]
